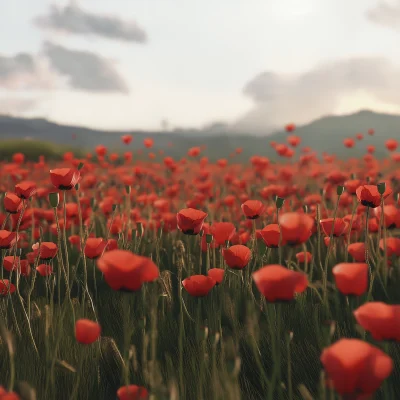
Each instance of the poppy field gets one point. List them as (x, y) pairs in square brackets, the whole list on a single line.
[(131, 278)]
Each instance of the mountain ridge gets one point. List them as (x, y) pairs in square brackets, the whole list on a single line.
[(323, 134)]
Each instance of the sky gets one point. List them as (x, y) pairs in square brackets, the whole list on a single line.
[(252, 64)]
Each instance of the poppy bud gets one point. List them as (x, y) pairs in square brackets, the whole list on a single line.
[(279, 202), (305, 208), (114, 207), (340, 190), (381, 188), (80, 166), (77, 186), (54, 199), (127, 189), (209, 238)]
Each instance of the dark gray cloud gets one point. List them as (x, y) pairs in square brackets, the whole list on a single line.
[(73, 20), (21, 62), (386, 14), (281, 98), (84, 70)]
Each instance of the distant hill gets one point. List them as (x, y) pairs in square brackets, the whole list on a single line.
[(325, 134)]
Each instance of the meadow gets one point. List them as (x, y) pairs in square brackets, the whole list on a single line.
[(139, 276)]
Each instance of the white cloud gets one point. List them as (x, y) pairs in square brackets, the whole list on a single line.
[(301, 98), (386, 13), (25, 72)]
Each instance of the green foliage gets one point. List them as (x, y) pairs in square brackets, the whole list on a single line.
[(33, 149)]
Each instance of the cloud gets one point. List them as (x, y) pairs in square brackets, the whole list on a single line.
[(24, 72), (14, 106), (73, 20), (85, 70), (283, 98), (386, 14)]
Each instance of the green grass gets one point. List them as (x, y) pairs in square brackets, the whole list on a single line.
[(228, 345)]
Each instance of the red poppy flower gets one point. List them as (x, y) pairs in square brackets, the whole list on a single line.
[(296, 228), (290, 127), (47, 250), (94, 247), (12, 203), (7, 239), (357, 251), (237, 256), (369, 196), (351, 278), (190, 221), (301, 258), (18, 158), (294, 140), (10, 263), (382, 320), (270, 235), (222, 232), (148, 142), (391, 144), (198, 285), (217, 274), (44, 269), (194, 151), (356, 368), (392, 246), (26, 189), (24, 268), (64, 178), (355, 225), (391, 215), (126, 271), (4, 395), (126, 139), (371, 149), (277, 283), (352, 185), (339, 228), (252, 209), (112, 245), (6, 287), (86, 331), (132, 392), (349, 143)]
